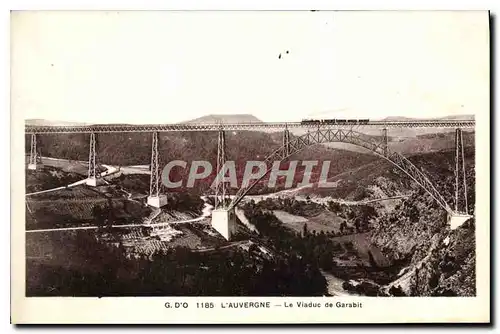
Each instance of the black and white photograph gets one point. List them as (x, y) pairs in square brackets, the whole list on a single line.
[(327, 154)]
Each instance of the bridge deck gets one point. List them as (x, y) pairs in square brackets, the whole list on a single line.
[(245, 126)]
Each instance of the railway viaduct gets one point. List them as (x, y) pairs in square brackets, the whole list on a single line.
[(223, 216)]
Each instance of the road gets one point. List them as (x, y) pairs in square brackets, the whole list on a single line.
[(94, 227), (321, 200), (232, 244), (206, 212), (109, 171)]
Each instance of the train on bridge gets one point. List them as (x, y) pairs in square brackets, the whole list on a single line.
[(334, 121)]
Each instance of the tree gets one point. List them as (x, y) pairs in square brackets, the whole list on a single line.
[(99, 215), (349, 246), (343, 227), (305, 231), (357, 224)]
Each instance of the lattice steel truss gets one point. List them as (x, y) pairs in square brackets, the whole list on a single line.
[(154, 181), (33, 151), (461, 204), (352, 137), (286, 141), (221, 195), (386, 140), (92, 155)]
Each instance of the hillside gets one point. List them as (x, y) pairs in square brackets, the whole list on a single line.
[(411, 141), (441, 261), (379, 178), (404, 250), (222, 118), (426, 142), (126, 149)]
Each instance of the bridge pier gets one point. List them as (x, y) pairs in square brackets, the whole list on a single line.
[(223, 217), (224, 222), (155, 199), (461, 213), (286, 142), (92, 175), (385, 141), (33, 153)]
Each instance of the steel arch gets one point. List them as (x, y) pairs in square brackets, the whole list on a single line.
[(351, 137)]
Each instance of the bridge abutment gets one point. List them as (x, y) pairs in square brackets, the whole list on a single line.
[(33, 153), (224, 222), (92, 174)]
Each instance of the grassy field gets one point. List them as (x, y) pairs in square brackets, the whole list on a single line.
[(324, 221)]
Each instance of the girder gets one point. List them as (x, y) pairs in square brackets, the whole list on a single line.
[(243, 126), (352, 137)]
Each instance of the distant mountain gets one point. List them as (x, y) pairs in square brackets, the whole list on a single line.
[(221, 118), (449, 117), (460, 117), (46, 122), (397, 118)]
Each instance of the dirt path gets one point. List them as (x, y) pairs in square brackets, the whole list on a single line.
[(206, 212), (232, 244), (109, 170)]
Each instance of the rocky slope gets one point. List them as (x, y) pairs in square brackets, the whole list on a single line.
[(440, 261)]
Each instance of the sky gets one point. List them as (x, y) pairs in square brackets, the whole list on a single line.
[(167, 67)]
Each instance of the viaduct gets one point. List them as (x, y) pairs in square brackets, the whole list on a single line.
[(223, 216)]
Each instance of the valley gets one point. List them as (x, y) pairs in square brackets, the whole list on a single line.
[(373, 233)]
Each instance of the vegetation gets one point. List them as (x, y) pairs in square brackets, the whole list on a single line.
[(358, 216), (86, 263), (243, 146), (91, 268), (48, 178), (417, 230)]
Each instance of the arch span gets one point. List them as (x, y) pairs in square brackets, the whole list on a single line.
[(379, 148)]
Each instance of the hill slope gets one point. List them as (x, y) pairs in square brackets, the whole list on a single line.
[(127, 149), (441, 261)]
